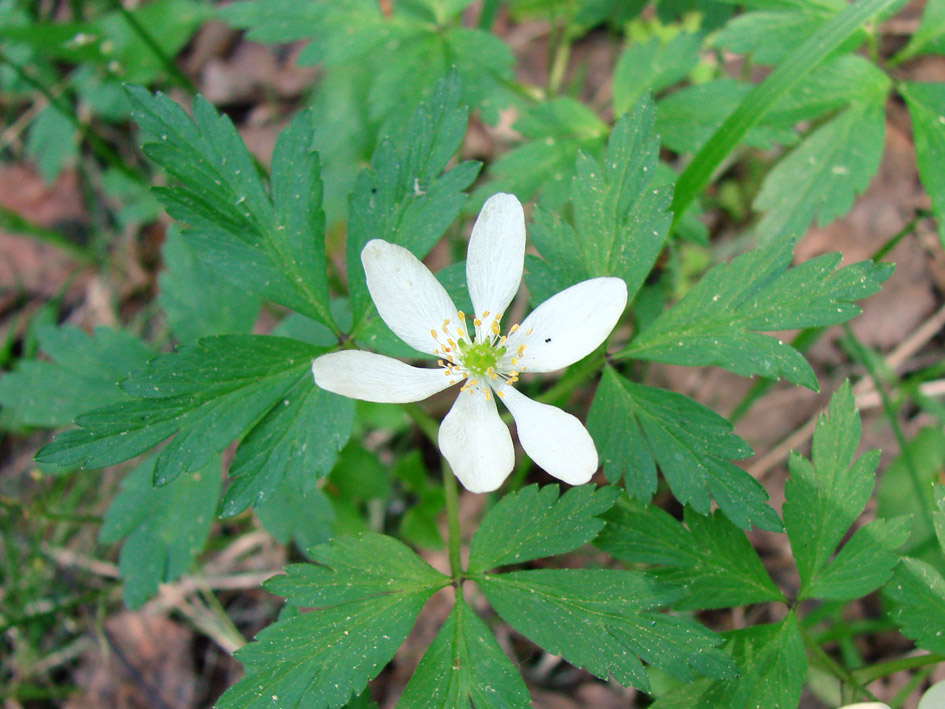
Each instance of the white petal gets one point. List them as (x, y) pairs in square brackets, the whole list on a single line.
[(496, 255), (553, 438), (408, 297), (569, 325), (373, 377), (476, 443)]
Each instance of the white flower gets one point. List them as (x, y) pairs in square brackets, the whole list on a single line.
[(472, 350)]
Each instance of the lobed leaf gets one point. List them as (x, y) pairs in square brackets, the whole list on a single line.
[(713, 323), (824, 496), (208, 394), (299, 438), (555, 132), (197, 301), (405, 197), (463, 667), (81, 374), (534, 522), (926, 103), (651, 66), (368, 590), (163, 528), (821, 177), (272, 246), (637, 427), (773, 665), (712, 560), (620, 217), (917, 592), (604, 620)]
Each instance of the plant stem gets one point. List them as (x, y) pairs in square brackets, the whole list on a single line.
[(559, 63), (832, 666), (176, 74), (883, 669), (487, 14), (452, 521)]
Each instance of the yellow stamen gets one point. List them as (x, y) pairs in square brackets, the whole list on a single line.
[(513, 329), (435, 336), (485, 314), (477, 322), (500, 394), (461, 315), (486, 392), (445, 323)]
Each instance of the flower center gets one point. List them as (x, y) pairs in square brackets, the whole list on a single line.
[(481, 358)]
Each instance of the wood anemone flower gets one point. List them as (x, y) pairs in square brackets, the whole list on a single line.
[(472, 350)]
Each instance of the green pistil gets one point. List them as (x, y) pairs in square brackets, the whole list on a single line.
[(478, 358)]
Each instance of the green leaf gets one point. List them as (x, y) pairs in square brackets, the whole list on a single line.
[(864, 563), (170, 24), (789, 73), (773, 666), (637, 427), (770, 35), (198, 301), (821, 177), (533, 523), (847, 80), (463, 667), (367, 590), (620, 218), (918, 594), (653, 65), (421, 46), (293, 513), (824, 496), (163, 528), (712, 560), (555, 132), (900, 494), (299, 437), (604, 620), (208, 394), (938, 516), (403, 198), (926, 102), (928, 36), (81, 374), (686, 119), (51, 142), (713, 323), (273, 247)]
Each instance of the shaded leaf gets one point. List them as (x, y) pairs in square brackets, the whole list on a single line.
[(82, 374), (163, 528)]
